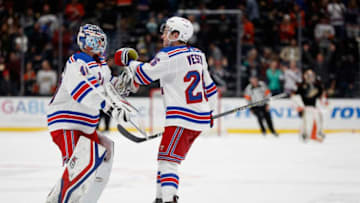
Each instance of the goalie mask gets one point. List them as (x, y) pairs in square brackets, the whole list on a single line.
[(309, 77), (92, 38), (181, 25)]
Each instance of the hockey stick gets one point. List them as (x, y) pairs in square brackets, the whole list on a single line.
[(258, 103), (137, 139)]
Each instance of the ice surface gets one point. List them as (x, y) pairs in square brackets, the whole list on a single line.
[(231, 168)]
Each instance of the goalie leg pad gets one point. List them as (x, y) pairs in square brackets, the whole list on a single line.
[(312, 123), (80, 172), (102, 173)]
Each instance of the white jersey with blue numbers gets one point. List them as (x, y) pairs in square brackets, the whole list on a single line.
[(188, 90), (76, 105)]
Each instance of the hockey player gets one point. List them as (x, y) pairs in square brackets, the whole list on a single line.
[(188, 92), (73, 116), (308, 92)]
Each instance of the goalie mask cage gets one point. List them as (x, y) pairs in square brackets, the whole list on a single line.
[(157, 114)]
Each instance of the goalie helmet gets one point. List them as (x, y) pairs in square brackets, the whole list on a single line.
[(181, 25), (309, 77), (92, 38)]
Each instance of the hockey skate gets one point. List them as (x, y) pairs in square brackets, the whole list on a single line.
[(157, 200)]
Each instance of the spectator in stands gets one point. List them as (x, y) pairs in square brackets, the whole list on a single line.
[(336, 10), (286, 30), (48, 21), (215, 52), (220, 75), (291, 52), (248, 38), (252, 10), (152, 26), (321, 65), (46, 79), (353, 20), (74, 11), (265, 60), (251, 67), (7, 86), (196, 27), (21, 41), (29, 80), (13, 66), (324, 33), (292, 77), (274, 77)]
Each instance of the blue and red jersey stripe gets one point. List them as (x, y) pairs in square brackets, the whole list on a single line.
[(140, 74), (174, 112), (73, 117), (211, 90), (182, 50), (82, 89)]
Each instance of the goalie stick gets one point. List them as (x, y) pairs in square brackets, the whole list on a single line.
[(137, 139)]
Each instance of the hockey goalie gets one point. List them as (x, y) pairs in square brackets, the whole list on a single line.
[(73, 116), (308, 92)]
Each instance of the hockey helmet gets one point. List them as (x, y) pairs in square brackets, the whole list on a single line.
[(92, 38), (309, 76), (181, 25)]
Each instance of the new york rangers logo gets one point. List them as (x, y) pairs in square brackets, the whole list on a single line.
[(73, 162)]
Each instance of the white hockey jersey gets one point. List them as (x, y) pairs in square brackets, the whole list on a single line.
[(188, 90), (76, 105)]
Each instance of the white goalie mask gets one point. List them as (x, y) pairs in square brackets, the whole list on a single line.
[(92, 38), (181, 25)]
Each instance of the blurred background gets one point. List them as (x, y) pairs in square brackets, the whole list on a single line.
[(241, 38)]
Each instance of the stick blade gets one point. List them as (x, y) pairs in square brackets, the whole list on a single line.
[(128, 135), (133, 137)]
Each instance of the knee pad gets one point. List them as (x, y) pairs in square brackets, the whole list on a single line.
[(85, 169)]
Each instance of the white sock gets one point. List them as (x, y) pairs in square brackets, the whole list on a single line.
[(169, 180)]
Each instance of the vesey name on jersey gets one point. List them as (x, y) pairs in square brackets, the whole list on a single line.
[(194, 59)]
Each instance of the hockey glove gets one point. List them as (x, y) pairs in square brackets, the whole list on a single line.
[(119, 114), (123, 56), (125, 82)]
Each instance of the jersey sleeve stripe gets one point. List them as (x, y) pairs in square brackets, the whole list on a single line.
[(82, 90), (210, 86), (211, 94), (143, 72), (141, 75)]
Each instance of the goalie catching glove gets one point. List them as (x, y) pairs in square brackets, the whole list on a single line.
[(123, 56)]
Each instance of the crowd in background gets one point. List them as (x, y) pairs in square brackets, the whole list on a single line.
[(330, 37)]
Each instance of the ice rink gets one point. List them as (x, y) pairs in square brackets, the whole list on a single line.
[(230, 168)]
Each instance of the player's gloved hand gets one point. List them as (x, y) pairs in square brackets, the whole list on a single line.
[(211, 120), (117, 113), (123, 56), (120, 114), (125, 82)]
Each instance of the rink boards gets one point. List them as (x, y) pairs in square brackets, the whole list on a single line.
[(341, 115)]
